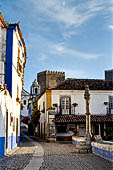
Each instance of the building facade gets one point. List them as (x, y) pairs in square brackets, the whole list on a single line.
[(12, 82), (25, 98), (68, 106)]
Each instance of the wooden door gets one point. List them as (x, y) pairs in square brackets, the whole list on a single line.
[(16, 130), (6, 129)]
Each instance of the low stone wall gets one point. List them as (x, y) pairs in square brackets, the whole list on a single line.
[(104, 150), (81, 144), (64, 137), (77, 140)]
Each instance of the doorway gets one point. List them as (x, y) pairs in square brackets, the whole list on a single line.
[(16, 130), (6, 130)]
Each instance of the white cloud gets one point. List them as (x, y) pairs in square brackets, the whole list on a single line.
[(110, 27), (75, 73), (71, 73), (61, 49), (47, 48), (63, 12), (69, 34)]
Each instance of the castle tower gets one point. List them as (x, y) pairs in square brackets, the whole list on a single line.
[(109, 75), (50, 79)]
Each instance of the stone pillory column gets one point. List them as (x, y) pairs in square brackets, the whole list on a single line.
[(88, 114)]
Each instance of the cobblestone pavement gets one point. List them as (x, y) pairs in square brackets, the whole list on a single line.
[(19, 158), (59, 156)]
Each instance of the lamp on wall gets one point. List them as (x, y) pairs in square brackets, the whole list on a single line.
[(75, 104), (29, 100), (106, 105), (3, 87)]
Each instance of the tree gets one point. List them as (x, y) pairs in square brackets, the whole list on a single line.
[(109, 133), (35, 115)]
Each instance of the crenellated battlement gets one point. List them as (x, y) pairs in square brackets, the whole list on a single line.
[(50, 79), (55, 72), (52, 72)]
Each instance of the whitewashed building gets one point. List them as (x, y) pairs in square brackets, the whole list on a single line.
[(13, 59), (25, 98), (67, 101)]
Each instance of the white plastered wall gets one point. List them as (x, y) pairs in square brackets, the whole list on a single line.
[(5, 105), (77, 96), (24, 111)]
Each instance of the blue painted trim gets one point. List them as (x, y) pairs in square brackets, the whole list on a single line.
[(75, 142), (23, 55), (18, 141), (11, 142), (103, 153), (20, 43), (2, 146), (9, 56)]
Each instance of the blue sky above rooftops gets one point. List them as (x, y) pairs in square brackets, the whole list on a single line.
[(75, 36)]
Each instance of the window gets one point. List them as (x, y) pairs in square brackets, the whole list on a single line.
[(19, 64), (14, 124), (36, 90), (111, 104), (44, 106), (24, 102), (39, 107), (65, 105)]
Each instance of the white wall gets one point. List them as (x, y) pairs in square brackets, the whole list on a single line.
[(24, 111), (2, 54), (40, 103), (77, 96), (5, 105)]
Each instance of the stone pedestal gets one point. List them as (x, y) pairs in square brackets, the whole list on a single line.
[(88, 114), (51, 131), (82, 145)]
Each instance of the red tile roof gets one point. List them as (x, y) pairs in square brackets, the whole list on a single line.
[(82, 118), (79, 84)]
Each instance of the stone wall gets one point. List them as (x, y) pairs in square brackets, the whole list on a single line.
[(50, 79)]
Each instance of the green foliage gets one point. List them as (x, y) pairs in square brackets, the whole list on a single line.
[(109, 132), (35, 115)]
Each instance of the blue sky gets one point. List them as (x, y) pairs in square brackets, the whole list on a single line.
[(75, 36)]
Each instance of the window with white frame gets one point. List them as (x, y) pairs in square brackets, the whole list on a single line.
[(65, 105)]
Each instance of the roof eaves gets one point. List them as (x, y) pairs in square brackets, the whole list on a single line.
[(5, 24), (21, 36)]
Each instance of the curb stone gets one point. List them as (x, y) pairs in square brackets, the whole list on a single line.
[(37, 159)]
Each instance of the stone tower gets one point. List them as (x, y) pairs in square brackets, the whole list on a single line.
[(50, 79), (109, 75), (34, 89)]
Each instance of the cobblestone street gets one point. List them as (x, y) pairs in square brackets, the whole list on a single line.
[(57, 156), (19, 158)]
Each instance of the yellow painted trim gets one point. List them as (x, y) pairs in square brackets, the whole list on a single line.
[(48, 99)]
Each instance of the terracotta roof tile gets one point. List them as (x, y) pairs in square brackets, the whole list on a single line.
[(82, 118), (79, 84)]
